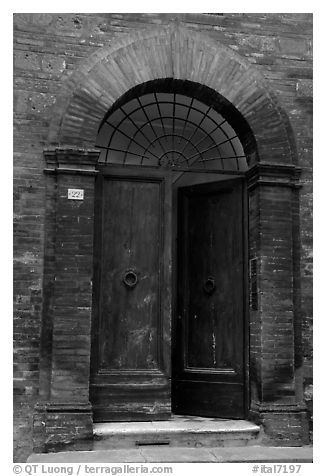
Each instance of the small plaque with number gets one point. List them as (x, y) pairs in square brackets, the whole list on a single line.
[(75, 194)]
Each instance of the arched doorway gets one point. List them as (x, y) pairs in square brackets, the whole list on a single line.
[(240, 94), (170, 300)]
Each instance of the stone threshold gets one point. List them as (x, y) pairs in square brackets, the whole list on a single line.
[(177, 425)]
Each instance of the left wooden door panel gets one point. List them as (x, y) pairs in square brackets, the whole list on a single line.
[(129, 371)]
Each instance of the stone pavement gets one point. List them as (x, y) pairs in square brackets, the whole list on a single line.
[(164, 454)]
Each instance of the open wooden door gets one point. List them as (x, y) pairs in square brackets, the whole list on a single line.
[(209, 343)]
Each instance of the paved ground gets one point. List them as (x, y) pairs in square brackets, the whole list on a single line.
[(245, 454)]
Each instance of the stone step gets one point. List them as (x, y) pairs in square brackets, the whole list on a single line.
[(188, 432)]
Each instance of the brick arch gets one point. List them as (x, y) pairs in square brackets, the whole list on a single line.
[(169, 52)]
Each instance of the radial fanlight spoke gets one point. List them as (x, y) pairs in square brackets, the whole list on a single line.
[(170, 130)]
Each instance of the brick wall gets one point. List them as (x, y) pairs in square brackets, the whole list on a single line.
[(47, 50)]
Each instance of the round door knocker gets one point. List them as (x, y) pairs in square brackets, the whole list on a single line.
[(209, 285), (130, 278)]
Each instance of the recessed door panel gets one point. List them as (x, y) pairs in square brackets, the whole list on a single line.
[(130, 276)]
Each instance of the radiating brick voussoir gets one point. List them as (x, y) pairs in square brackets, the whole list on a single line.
[(162, 52)]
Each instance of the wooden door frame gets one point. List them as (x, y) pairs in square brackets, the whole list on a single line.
[(171, 233)]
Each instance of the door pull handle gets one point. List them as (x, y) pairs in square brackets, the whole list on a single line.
[(209, 285), (130, 278)]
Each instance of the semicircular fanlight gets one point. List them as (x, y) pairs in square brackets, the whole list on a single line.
[(170, 130)]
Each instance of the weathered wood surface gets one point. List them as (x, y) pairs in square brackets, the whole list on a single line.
[(209, 365), (129, 371)]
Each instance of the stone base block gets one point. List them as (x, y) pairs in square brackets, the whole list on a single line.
[(282, 426), (59, 427)]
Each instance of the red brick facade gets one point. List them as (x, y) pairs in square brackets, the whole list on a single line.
[(69, 70)]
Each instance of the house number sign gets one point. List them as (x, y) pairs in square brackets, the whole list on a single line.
[(75, 194)]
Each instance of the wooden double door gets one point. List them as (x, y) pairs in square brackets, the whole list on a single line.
[(169, 317)]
